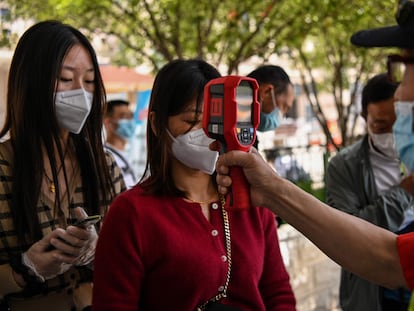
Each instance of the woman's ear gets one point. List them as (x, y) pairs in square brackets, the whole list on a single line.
[(152, 119)]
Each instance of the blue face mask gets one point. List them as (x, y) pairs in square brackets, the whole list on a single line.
[(403, 132), (269, 121), (126, 128)]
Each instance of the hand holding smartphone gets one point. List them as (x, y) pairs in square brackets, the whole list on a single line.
[(82, 223)]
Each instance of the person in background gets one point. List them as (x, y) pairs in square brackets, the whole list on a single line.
[(368, 180), (119, 128), (53, 171), (176, 247), (365, 249), (275, 94)]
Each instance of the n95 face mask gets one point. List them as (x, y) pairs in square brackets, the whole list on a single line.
[(72, 109), (192, 149)]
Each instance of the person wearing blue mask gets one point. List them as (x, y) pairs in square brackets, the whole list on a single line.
[(119, 129), (275, 95)]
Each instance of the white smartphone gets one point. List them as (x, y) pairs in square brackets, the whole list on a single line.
[(88, 221)]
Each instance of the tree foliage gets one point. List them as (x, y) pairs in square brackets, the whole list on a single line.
[(333, 65), (227, 33)]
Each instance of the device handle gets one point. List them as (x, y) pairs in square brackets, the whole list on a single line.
[(239, 195)]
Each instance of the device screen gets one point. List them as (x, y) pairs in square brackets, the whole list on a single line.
[(244, 98)]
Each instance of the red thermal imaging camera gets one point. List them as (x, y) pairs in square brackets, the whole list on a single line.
[(231, 115)]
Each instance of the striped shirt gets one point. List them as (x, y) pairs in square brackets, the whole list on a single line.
[(48, 222)]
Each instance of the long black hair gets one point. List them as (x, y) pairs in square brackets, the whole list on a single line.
[(176, 85), (32, 125)]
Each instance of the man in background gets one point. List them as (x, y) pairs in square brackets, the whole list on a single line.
[(120, 127), (275, 96), (368, 180)]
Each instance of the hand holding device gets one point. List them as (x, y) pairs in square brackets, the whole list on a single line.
[(42, 262), (231, 115), (87, 252)]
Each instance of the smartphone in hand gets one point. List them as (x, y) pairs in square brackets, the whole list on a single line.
[(88, 221)]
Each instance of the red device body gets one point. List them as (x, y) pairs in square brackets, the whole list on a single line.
[(231, 115)]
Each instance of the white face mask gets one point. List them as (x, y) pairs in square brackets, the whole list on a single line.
[(385, 144), (192, 149), (72, 109)]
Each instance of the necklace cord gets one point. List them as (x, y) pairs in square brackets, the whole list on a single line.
[(52, 186), (199, 202)]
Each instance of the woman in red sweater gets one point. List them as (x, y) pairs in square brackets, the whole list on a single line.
[(168, 244)]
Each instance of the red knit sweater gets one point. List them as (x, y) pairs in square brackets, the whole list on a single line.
[(163, 254)]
